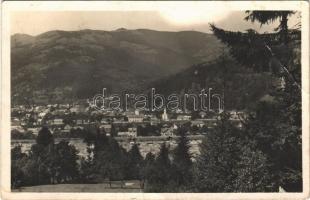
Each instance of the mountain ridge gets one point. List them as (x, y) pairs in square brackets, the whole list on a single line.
[(116, 30), (85, 61)]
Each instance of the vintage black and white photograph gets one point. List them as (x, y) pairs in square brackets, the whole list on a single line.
[(184, 98)]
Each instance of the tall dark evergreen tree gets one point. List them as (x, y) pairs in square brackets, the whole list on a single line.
[(86, 170), (160, 174), (267, 51), (66, 162), (110, 161), (163, 165), (276, 125), (219, 153), (148, 171), (17, 160), (135, 162), (266, 17), (45, 137), (182, 163)]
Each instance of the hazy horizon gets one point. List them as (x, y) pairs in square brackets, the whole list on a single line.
[(35, 23)]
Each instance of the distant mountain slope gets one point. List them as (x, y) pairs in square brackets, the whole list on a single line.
[(240, 86), (83, 62)]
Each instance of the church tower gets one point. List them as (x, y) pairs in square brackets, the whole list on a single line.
[(164, 116)]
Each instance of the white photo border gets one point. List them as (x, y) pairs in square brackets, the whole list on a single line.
[(10, 6)]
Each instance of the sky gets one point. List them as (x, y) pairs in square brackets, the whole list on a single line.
[(176, 19)]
